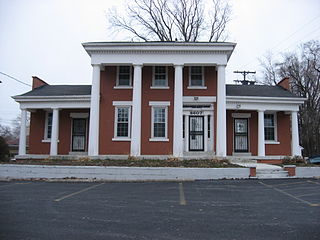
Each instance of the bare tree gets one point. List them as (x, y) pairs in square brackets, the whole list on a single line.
[(303, 69), (170, 20)]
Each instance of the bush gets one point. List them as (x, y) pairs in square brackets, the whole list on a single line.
[(296, 160), (4, 150)]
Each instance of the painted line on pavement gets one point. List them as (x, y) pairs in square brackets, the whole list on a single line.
[(290, 195), (309, 194), (75, 193), (313, 182), (181, 193), (284, 184)]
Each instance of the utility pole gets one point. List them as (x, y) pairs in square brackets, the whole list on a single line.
[(244, 81)]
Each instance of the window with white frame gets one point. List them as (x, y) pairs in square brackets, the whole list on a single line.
[(48, 126), (160, 76), (159, 122), (122, 122), (124, 76), (270, 127), (196, 76)]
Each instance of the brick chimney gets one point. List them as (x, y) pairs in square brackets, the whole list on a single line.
[(285, 83), (37, 82)]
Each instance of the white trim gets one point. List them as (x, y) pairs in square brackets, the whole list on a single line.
[(47, 140), (159, 104), (50, 98), (153, 138), (130, 78), (154, 75), (199, 99), (79, 115), (196, 87), (203, 85), (116, 138), (256, 99), (120, 139), (158, 87), (159, 139), (271, 142), (122, 103), (241, 115), (122, 87)]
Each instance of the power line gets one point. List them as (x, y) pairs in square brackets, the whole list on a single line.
[(7, 75), (283, 40)]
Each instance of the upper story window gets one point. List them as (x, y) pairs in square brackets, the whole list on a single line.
[(160, 78), (270, 127), (124, 76), (48, 126), (196, 76)]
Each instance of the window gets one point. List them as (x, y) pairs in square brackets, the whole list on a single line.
[(159, 122), (48, 128), (196, 76), (160, 76), (124, 76), (122, 122), (269, 127)]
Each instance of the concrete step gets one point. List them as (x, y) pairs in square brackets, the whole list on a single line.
[(265, 174)]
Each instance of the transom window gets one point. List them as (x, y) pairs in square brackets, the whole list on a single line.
[(159, 122), (269, 127), (160, 76), (122, 122), (196, 76), (48, 125), (124, 76)]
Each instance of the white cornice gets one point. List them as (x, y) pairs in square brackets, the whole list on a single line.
[(257, 99), (52, 98)]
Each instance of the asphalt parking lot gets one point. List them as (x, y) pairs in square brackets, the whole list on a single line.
[(221, 209)]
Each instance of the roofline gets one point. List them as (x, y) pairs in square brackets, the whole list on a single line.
[(155, 47), (50, 98), (296, 100)]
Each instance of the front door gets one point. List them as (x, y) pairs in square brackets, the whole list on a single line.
[(79, 134), (196, 133), (241, 135)]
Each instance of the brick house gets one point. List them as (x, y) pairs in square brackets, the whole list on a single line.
[(160, 99)]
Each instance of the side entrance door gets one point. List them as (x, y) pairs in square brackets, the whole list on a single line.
[(196, 133), (241, 143), (79, 126)]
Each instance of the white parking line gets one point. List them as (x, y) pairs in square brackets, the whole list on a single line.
[(75, 193), (290, 195), (182, 197)]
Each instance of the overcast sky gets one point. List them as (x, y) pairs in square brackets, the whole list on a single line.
[(43, 38)]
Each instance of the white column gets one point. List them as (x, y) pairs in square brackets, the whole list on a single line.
[(178, 112), (136, 112), (54, 132), (23, 133), (221, 139), (93, 145), (261, 144), (295, 147)]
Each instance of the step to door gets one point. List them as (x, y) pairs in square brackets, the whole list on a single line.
[(265, 174)]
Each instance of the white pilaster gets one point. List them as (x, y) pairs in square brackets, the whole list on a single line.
[(54, 132), (261, 144), (23, 133), (221, 139), (178, 112), (295, 147), (93, 146), (136, 112)]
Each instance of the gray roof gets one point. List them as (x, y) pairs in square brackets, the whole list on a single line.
[(232, 90), (60, 90), (258, 91)]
